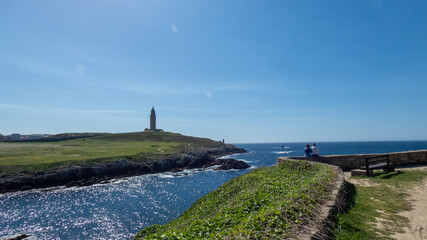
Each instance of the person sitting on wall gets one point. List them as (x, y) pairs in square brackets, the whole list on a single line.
[(315, 151), (307, 151)]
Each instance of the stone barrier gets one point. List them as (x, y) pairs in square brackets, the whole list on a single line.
[(349, 162), (323, 223)]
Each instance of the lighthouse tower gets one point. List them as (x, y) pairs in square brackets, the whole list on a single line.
[(153, 120)]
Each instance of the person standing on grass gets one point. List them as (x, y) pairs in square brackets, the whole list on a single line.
[(315, 151), (307, 151)]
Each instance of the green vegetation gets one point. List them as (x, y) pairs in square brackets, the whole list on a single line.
[(375, 207), (267, 203), (67, 149)]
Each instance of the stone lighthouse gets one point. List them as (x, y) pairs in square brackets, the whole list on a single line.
[(153, 120)]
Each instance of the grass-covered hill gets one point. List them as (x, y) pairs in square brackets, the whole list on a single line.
[(76, 148), (267, 203)]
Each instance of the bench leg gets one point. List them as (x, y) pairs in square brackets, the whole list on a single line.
[(391, 169)]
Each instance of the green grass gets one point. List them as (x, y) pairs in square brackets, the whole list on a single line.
[(378, 204), (267, 203), (143, 146)]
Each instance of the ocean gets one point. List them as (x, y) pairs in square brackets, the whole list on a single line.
[(118, 210)]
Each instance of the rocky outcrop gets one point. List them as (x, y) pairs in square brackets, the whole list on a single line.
[(19, 237), (228, 163), (87, 174)]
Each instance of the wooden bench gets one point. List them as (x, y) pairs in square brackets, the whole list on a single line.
[(377, 162)]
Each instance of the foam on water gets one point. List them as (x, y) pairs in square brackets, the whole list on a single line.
[(283, 152)]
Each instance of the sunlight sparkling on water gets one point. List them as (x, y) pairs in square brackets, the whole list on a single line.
[(117, 210), (99, 211), (120, 209)]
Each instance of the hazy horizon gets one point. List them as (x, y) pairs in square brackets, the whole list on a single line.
[(282, 142)]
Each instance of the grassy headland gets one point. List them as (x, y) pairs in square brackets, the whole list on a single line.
[(267, 203), (67, 149)]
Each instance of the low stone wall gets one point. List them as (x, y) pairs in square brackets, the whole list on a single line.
[(325, 222), (322, 225), (349, 162)]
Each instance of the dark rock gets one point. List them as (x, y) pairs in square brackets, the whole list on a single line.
[(229, 163), (71, 184), (19, 237), (26, 187)]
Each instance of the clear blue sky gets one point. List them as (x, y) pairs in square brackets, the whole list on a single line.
[(242, 70)]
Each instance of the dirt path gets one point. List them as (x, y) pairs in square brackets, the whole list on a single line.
[(417, 216)]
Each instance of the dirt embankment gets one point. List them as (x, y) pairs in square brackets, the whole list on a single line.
[(87, 174)]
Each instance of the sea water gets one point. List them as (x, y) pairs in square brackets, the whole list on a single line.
[(118, 210)]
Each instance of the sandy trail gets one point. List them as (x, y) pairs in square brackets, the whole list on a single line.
[(418, 215)]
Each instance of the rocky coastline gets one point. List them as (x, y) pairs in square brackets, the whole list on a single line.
[(227, 164), (88, 174)]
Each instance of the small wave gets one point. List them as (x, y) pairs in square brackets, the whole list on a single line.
[(168, 176), (281, 147), (241, 159), (174, 175), (230, 170), (234, 155), (186, 172), (283, 152), (247, 161)]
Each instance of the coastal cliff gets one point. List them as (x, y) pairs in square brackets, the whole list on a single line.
[(81, 174)]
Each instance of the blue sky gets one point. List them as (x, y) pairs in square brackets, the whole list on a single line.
[(239, 70)]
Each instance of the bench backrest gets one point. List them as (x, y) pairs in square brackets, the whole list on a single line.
[(376, 159)]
